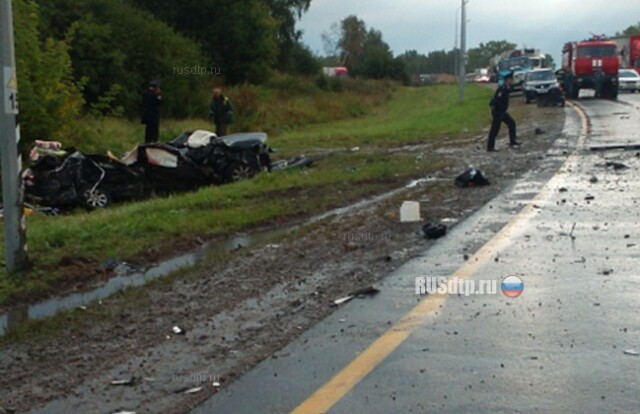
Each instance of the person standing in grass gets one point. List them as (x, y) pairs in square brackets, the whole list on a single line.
[(151, 101), (499, 107), (220, 112)]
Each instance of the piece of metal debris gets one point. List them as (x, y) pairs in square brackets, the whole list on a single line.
[(193, 390), (124, 382), (632, 352), (177, 330), (362, 292), (342, 300)]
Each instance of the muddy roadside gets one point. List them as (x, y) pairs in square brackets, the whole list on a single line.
[(237, 311)]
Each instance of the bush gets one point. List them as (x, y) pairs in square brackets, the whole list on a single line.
[(322, 82), (50, 101), (336, 84), (114, 43), (303, 62)]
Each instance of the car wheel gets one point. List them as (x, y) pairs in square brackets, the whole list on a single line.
[(238, 172), (94, 198)]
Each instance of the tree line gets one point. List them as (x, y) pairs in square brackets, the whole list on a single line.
[(78, 57), (94, 57)]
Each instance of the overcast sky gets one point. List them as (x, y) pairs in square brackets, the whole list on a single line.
[(427, 25)]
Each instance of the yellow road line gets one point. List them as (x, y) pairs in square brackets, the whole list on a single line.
[(343, 382)]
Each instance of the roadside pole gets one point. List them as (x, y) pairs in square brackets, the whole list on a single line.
[(463, 49), (456, 51), (12, 191)]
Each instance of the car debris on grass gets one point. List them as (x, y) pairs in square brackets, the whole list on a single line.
[(68, 178)]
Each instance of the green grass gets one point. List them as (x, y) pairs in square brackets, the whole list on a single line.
[(166, 225), (413, 115), (281, 106)]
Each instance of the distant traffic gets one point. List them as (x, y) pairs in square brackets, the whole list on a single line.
[(604, 65)]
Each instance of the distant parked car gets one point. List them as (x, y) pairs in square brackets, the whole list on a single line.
[(539, 82), (629, 80)]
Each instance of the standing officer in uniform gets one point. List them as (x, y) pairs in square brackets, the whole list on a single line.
[(151, 101), (220, 112), (499, 107)]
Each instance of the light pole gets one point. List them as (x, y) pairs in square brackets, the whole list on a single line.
[(14, 226), (456, 70), (463, 48)]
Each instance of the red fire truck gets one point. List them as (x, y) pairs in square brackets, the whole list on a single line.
[(629, 51), (591, 64)]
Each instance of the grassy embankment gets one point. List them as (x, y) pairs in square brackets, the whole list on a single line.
[(373, 116)]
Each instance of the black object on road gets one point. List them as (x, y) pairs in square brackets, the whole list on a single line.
[(472, 177), (433, 231)]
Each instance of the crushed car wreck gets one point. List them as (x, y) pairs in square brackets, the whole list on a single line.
[(67, 178)]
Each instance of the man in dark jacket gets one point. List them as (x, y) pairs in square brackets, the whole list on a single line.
[(221, 112), (151, 101), (499, 108)]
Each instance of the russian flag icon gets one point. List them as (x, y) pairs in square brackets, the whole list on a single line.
[(512, 286)]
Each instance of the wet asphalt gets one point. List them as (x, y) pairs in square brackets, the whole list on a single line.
[(569, 230)]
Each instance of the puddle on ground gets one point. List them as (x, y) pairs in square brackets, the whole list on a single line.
[(129, 277), (51, 307)]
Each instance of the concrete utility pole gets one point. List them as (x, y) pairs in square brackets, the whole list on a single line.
[(456, 52), (12, 191), (463, 49)]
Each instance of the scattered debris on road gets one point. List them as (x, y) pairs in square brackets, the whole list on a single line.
[(616, 166), (410, 212), (433, 231), (367, 291), (124, 382), (472, 178), (358, 293), (193, 390)]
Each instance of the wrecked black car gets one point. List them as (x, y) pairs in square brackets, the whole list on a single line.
[(193, 160), (227, 159), (93, 181)]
